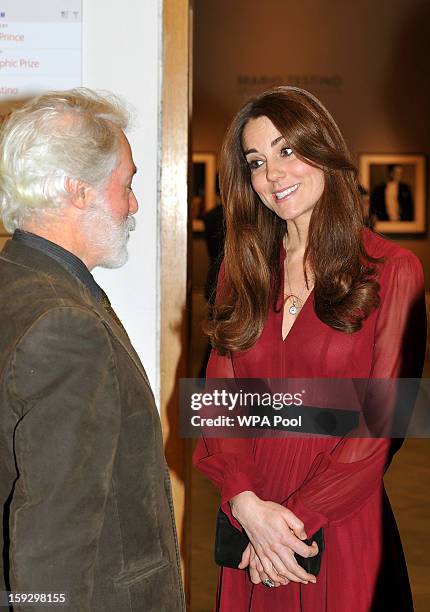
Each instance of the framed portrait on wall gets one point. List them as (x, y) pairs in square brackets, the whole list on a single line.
[(396, 187), (203, 195)]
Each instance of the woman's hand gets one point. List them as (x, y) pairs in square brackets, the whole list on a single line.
[(256, 570), (275, 534)]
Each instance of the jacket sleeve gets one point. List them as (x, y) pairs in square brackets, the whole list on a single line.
[(339, 483), (63, 388)]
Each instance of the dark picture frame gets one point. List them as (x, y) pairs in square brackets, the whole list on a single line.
[(396, 186), (203, 195)]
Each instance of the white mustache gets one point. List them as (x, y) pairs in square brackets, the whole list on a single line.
[(130, 223)]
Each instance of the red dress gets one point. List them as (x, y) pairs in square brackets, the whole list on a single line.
[(330, 482)]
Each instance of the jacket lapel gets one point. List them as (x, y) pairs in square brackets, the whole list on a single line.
[(121, 335)]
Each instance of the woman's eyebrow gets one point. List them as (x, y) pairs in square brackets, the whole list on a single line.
[(272, 144), (275, 142)]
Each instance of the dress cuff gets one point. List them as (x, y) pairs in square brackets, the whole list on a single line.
[(312, 520), (234, 484)]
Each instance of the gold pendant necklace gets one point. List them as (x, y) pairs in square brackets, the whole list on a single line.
[(294, 308)]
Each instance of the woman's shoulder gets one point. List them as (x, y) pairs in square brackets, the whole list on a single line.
[(382, 248), (396, 262)]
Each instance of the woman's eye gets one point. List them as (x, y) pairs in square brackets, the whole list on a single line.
[(254, 164), (286, 151)]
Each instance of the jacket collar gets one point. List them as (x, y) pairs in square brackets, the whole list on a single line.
[(65, 258)]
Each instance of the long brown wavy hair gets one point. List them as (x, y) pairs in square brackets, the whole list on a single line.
[(345, 291)]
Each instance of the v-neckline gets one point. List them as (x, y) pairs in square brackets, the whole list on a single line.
[(297, 317), (311, 293)]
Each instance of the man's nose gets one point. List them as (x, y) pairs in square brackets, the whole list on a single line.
[(133, 206)]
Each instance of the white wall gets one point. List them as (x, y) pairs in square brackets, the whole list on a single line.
[(122, 53)]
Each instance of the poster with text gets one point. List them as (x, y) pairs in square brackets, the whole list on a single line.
[(40, 49)]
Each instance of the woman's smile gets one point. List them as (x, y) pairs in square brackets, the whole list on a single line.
[(287, 193)]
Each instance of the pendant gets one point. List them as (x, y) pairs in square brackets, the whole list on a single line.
[(293, 310)]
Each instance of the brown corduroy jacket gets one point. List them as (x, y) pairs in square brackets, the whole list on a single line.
[(84, 486)]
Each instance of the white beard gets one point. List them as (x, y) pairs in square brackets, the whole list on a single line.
[(107, 236)]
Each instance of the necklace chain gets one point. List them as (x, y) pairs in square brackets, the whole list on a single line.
[(295, 299)]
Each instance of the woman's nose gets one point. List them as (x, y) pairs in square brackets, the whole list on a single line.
[(274, 170)]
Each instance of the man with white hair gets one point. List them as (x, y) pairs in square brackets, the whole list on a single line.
[(87, 510)]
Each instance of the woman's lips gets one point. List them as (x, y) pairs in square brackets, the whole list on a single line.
[(285, 193)]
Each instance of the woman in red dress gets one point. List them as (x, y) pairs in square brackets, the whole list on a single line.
[(307, 291)]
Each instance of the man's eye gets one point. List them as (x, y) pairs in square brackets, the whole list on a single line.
[(255, 163), (286, 151)]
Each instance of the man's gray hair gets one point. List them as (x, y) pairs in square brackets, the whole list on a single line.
[(55, 136)]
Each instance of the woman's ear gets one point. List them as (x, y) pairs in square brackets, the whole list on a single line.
[(80, 192)]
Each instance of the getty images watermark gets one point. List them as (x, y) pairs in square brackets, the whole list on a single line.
[(311, 407), (240, 401)]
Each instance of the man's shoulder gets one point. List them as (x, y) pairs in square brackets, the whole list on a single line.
[(29, 287), (26, 271), (29, 294)]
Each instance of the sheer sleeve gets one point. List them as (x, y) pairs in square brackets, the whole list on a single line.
[(339, 483), (227, 462)]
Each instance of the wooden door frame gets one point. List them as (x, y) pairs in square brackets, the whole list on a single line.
[(173, 249)]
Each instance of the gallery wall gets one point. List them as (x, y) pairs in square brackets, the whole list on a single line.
[(367, 61), (122, 53)]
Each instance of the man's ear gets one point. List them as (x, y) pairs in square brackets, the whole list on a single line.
[(79, 191)]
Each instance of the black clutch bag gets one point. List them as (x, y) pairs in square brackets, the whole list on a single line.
[(230, 544)]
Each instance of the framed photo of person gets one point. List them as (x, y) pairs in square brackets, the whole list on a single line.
[(396, 191), (203, 196)]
